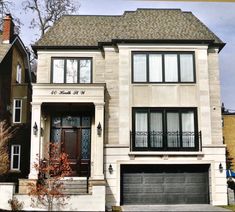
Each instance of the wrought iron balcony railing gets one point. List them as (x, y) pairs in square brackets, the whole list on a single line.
[(165, 141)]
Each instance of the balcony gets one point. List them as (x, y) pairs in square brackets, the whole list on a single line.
[(165, 141)]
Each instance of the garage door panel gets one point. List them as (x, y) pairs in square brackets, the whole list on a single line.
[(195, 199), (196, 188), (173, 185), (146, 189), (174, 199), (154, 179), (173, 189), (132, 179), (176, 179), (144, 199)]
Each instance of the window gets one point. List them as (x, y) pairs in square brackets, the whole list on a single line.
[(18, 73), (164, 128), (71, 70), (158, 67), (15, 157), (17, 110)]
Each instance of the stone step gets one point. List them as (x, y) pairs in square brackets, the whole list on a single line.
[(75, 186)]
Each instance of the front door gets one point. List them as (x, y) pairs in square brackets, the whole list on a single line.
[(74, 135)]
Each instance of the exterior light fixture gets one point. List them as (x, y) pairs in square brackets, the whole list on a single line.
[(221, 168), (99, 129), (35, 129), (110, 169)]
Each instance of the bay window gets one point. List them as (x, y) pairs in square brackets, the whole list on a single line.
[(165, 129), (71, 70), (159, 67)]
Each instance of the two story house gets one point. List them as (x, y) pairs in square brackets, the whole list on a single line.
[(15, 98), (135, 102)]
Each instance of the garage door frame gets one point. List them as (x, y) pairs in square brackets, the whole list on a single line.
[(159, 168)]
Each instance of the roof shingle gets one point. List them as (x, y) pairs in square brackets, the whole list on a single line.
[(144, 24)]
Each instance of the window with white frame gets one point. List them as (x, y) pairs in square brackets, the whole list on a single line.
[(15, 157), (17, 110), (18, 73), (163, 67)]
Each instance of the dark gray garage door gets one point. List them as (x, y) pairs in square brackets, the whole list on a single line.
[(178, 184)]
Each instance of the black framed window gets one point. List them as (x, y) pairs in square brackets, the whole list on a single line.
[(71, 70), (163, 67), (164, 128), (17, 110)]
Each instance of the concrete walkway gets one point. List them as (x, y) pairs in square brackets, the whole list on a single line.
[(193, 207)]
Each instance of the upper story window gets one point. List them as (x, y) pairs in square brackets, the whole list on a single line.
[(15, 157), (71, 70), (18, 73), (17, 110), (159, 67)]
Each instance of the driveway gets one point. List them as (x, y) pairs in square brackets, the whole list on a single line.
[(193, 207)]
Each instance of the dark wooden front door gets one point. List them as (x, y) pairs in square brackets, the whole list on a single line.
[(71, 146), (74, 134)]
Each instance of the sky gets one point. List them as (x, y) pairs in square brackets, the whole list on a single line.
[(218, 16)]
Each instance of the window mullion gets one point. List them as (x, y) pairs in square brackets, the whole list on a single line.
[(148, 129), (180, 128), (147, 67), (178, 67), (163, 68), (65, 71), (78, 71)]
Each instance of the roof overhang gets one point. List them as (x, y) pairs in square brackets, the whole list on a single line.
[(100, 45)]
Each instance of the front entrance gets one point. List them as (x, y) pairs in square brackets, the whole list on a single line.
[(74, 135)]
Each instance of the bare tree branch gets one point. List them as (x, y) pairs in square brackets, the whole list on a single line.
[(48, 11)]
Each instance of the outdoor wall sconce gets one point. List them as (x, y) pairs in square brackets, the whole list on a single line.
[(110, 169), (42, 132), (35, 129), (221, 168), (99, 129)]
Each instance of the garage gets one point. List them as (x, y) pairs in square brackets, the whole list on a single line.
[(164, 184)]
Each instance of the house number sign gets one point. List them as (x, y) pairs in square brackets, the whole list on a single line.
[(68, 92)]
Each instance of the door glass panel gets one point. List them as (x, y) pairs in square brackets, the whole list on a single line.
[(56, 135), (173, 135), (86, 121), (86, 137), (56, 121), (188, 134), (141, 133), (71, 72), (156, 134), (71, 121)]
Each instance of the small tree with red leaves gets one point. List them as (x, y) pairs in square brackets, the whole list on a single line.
[(49, 188)]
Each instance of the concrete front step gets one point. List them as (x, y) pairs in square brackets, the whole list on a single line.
[(75, 186)]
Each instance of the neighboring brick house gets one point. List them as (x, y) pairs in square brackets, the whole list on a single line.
[(15, 98), (229, 136), (135, 102)]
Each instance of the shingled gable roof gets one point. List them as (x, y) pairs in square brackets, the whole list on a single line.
[(4, 48), (149, 25)]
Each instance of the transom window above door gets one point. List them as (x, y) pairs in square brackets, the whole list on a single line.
[(159, 67), (71, 70)]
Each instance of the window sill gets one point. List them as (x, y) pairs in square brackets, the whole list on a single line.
[(15, 171), (144, 153)]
